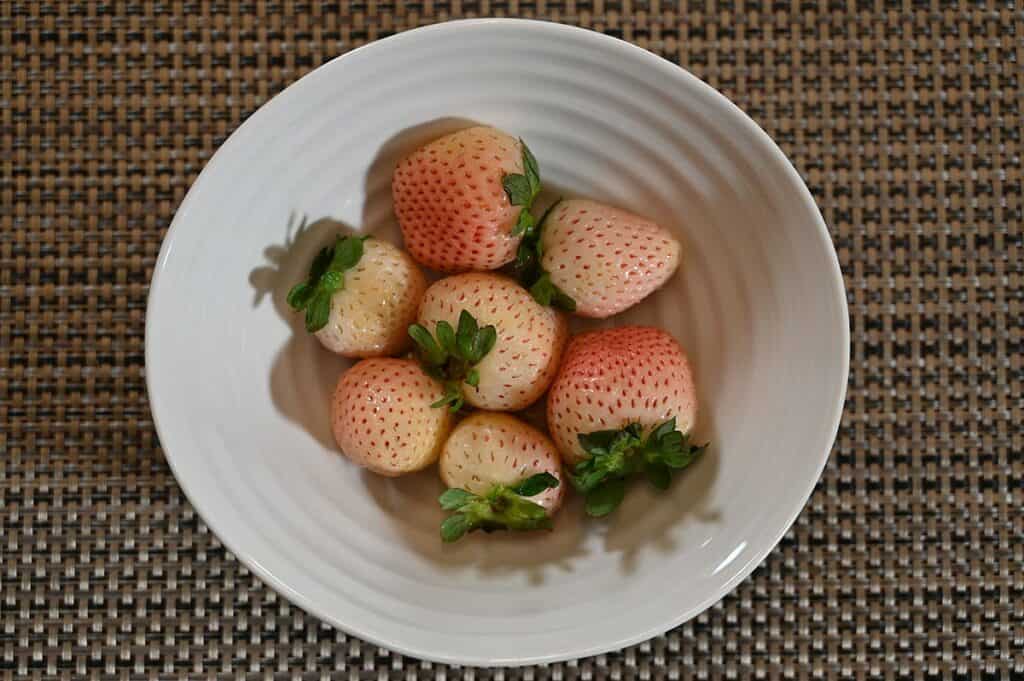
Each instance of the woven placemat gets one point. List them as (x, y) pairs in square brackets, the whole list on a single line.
[(905, 119)]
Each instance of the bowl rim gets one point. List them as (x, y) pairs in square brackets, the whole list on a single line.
[(760, 550)]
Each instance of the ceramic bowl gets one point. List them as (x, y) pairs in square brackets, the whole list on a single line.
[(240, 393)]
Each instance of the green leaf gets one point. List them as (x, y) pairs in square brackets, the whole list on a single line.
[(546, 214), (524, 224), (465, 337), (452, 397), (326, 276), (501, 508), (527, 266), (672, 441), (455, 527), (444, 401), (535, 484), (546, 293), (531, 169), (450, 358), (599, 439), (543, 290), (300, 295), (430, 352), (663, 429), (320, 264), (318, 312), (563, 301), (446, 336), (606, 498), (614, 455), (518, 189), (484, 342), (347, 253), (659, 475), (600, 467), (523, 188), (585, 479), (455, 498), (522, 514), (668, 446), (331, 281), (685, 457), (527, 263)]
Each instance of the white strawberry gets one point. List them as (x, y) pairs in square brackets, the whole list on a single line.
[(528, 344), (360, 297), (382, 418), (623, 403), (463, 200), (595, 259), (502, 474)]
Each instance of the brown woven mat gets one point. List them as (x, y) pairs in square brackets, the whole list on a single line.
[(905, 118)]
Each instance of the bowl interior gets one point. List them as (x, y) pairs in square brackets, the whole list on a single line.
[(240, 392)]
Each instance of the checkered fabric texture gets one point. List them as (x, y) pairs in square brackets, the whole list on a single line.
[(904, 118)]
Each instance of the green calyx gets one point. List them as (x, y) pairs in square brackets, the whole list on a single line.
[(501, 508), (615, 455), (531, 274), (450, 355), (522, 189), (326, 277)]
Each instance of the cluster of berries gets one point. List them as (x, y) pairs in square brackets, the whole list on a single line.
[(492, 337)]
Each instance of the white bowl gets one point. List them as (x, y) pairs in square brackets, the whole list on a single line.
[(240, 393)]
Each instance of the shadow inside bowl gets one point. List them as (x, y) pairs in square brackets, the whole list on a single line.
[(303, 374), (648, 518), (411, 503)]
